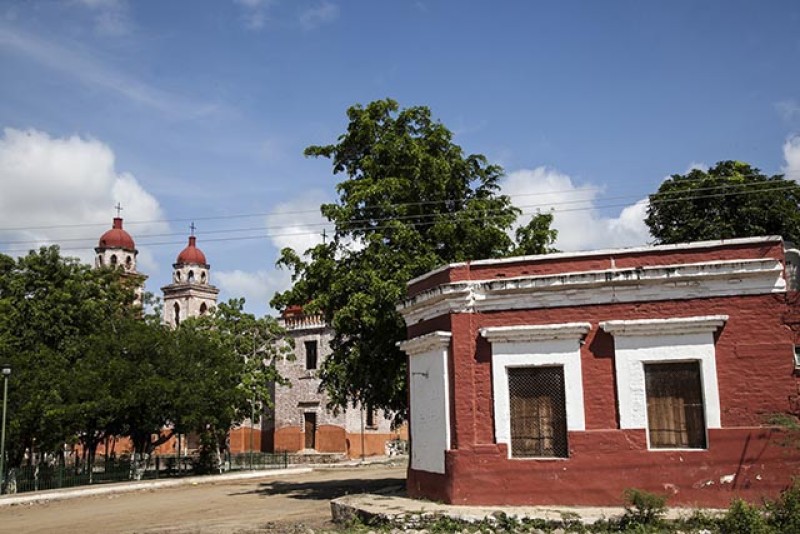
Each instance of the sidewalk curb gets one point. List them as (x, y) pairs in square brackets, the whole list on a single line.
[(406, 512), (130, 487)]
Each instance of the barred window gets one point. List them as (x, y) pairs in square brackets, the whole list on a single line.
[(538, 412), (675, 414)]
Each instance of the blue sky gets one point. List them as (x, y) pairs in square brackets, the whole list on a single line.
[(199, 111)]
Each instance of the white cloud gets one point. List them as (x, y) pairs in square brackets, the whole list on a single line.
[(791, 153), (257, 287), (298, 223), (323, 13), (255, 13), (62, 190), (576, 214), (111, 17)]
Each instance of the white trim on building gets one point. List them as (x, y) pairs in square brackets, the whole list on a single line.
[(637, 342), (430, 399), (536, 346), (651, 283)]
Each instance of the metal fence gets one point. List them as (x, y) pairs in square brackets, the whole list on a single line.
[(65, 475)]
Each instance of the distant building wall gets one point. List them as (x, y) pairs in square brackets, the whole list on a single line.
[(302, 408)]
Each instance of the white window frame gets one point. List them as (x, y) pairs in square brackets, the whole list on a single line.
[(536, 346), (684, 339)]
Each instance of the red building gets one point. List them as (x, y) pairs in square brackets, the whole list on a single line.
[(567, 378)]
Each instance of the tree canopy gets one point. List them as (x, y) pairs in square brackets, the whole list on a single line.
[(410, 200), (732, 199), (88, 363)]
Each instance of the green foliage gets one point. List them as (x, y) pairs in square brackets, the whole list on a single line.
[(536, 237), (410, 200), (643, 508), (697, 521), (730, 200), (88, 363), (227, 367), (784, 514), (744, 518), (784, 420), (645, 515)]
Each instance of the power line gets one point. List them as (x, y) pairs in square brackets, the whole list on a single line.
[(488, 215), (370, 207)]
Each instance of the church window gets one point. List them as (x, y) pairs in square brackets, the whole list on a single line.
[(190, 277), (311, 354), (203, 309), (113, 259), (203, 276), (100, 259), (177, 309), (177, 276), (128, 263)]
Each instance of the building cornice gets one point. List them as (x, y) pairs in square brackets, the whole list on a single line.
[(641, 284), (694, 245), (438, 340), (672, 326), (190, 289), (539, 332)]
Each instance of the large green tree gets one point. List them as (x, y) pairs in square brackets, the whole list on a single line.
[(50, 307), (228, 371), (410, 200), (88, 363), (731, 199)]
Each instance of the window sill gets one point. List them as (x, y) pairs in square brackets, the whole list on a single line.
[(651, 449), (539, 458)]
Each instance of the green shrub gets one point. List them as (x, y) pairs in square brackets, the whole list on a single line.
[(698, 521), (643, 508), (784, 514), (744, 518)]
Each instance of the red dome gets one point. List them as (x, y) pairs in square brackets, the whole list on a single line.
[(191, 254), (117, 237)]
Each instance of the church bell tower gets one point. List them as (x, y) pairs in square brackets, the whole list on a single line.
[(190, 294)]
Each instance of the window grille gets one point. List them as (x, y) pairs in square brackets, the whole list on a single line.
[(675, 415), (538, 412), (311, 354)]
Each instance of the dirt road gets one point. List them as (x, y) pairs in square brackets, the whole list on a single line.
[(266, 505)]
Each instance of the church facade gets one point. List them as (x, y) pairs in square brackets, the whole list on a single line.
[(299, 420)]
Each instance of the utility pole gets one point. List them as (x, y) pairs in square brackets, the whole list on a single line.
[(6, 374), (252, 405)]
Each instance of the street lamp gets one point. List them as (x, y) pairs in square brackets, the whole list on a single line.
[(6, 369)]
